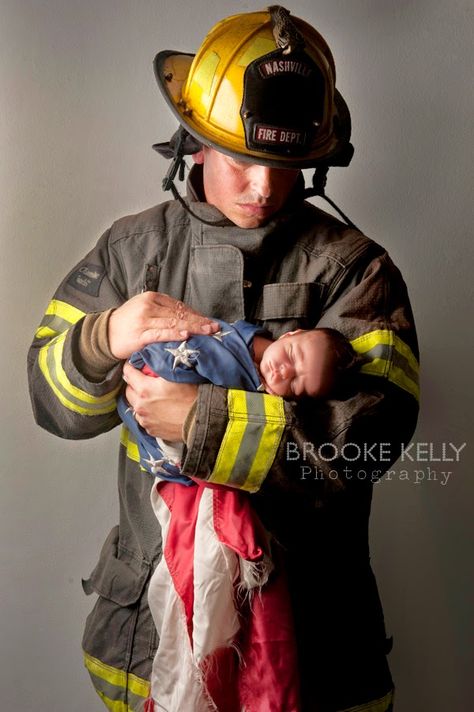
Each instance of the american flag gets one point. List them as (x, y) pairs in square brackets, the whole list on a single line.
[(221, 608)]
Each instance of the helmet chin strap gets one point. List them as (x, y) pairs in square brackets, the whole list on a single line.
[(320, 177), (178, 166), (177, 196), (176, 150)]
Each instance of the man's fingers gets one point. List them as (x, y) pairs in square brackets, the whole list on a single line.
[(130, 325), (175, 330), (179, 310), (133, 377), (164, 334)]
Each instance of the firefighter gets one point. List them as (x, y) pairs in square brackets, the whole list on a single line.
[(255, 105)]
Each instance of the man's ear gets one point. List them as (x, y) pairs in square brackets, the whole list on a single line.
[(198, 157)]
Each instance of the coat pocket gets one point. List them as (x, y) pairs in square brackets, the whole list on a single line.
[(119, 630), (120, 580), (215, 279), (290, 305)]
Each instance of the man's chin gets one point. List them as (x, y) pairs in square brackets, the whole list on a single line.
[(249, 216), (250, 224)]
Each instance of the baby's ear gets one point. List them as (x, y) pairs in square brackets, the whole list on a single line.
[(290, 333)]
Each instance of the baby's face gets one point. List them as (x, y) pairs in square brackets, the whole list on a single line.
[(288, 365)]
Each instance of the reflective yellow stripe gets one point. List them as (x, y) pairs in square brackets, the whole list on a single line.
[(232, 439), (45, 332), (59, 316), (397, 362), (381, 367), (117, 682), (383, 704), (63, 311), (106, 400), (114, 705), (129, 444), (73, 398), (253, 434), (368, 341)]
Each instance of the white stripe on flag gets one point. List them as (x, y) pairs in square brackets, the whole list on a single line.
[(216, 570)]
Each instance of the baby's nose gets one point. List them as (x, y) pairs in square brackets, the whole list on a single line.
[(286, 371)]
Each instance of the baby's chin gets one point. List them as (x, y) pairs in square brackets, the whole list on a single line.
[(261, 372), (268, 389)]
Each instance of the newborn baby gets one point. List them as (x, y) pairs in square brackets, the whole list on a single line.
[(301, 363), (240, 356)]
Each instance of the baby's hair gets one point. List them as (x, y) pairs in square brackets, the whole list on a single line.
[(346, 355)]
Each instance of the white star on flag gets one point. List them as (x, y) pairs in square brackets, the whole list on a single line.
[(182, 355), (219, 335), (155, 465)]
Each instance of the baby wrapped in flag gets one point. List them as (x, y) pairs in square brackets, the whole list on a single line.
[(223, 359), (220, 648)]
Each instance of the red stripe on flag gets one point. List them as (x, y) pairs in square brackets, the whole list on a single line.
[(183, 503)]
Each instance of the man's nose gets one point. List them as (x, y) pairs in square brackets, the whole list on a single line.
[(262, 180)]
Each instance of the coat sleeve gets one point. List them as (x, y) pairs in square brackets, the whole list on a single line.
[(64, 401), (257, 441)]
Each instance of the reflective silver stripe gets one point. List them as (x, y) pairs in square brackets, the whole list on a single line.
[(55, 323), (388, 356), (250, 441), (120, 695), (59, 316), (116, 687), (389, 353)]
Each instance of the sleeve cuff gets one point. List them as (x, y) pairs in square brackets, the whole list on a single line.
[(202, 440), (190, 424), (94, 358), (235, 438)]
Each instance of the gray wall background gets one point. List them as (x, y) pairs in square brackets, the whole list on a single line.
[(79, 110)]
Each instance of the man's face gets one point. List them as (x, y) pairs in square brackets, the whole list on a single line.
[(246, 193)]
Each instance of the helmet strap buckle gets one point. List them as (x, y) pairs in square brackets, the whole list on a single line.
[(177, 162)]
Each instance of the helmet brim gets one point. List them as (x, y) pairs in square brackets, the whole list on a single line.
[(171, 70)]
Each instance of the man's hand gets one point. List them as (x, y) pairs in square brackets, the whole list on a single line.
[(153, 316), (160, 406)]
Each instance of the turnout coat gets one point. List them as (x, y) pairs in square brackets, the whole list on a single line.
[(309, 466)]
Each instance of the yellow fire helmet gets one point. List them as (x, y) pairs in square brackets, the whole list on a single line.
[(261, 87)]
